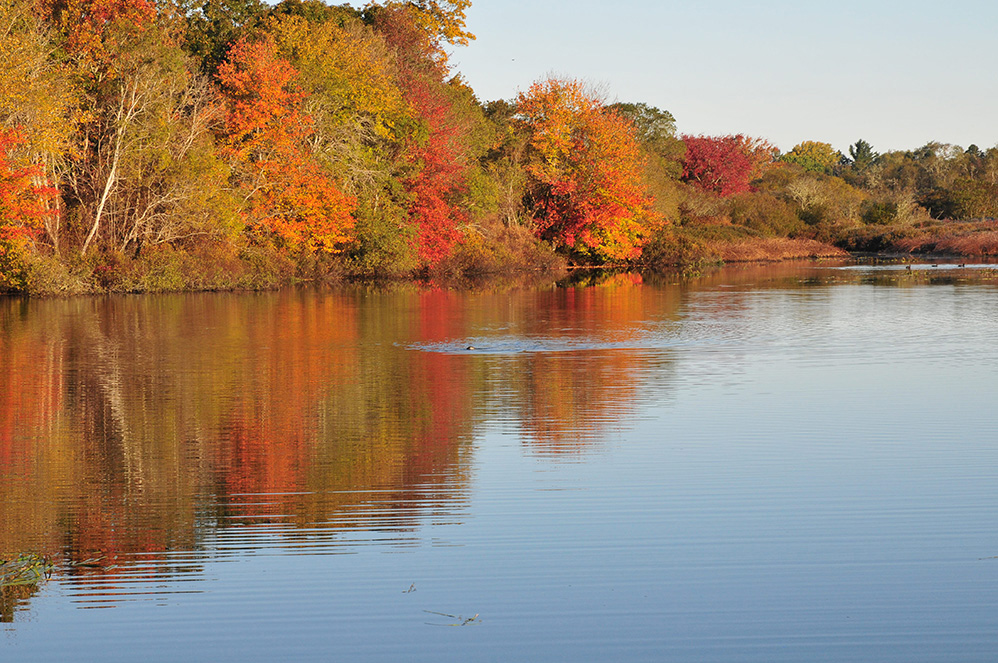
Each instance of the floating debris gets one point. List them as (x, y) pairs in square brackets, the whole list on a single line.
[(461, 621), (28, 569)]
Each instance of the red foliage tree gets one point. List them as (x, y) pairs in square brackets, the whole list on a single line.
[(22, 199), (289, 197), (23, 206), (437, 157), (724, 165)]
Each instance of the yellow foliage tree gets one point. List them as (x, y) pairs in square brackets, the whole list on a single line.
[(350, 91), (443, 19), (36, 98)]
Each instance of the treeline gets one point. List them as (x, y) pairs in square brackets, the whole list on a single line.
[(228, 143)]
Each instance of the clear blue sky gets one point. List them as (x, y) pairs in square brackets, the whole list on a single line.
[(897, 74)]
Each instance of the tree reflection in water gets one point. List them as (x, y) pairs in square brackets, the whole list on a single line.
[(133, 428)]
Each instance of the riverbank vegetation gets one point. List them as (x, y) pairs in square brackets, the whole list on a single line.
[(209, 144)]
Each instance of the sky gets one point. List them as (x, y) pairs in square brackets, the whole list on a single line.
[(896, 74)]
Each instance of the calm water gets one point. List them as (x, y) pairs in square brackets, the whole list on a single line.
[(793, 463)]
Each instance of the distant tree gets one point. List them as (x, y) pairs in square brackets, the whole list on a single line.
[(654, 128), (813, 156), (725, 165), (862, 154), (965, 199)]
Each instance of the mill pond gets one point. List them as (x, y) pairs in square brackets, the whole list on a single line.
[(770, 463)]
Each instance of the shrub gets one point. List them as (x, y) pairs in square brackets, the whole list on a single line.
[(765, 213)]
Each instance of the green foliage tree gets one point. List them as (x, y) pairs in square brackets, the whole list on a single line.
[(213, 26), (654, 128), (360, 123), (813, 156), (862, 155)]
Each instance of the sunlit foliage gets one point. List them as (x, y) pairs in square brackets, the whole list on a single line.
[(724, 165), (287, 197), (23, 207), (813, 156), (584, 164)]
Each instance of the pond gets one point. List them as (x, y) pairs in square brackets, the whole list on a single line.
[(769, 463)]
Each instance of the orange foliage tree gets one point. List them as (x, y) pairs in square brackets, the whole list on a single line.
[(288, 196), (585, 169), (93, 30)]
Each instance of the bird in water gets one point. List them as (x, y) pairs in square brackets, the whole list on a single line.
[(470, 347)]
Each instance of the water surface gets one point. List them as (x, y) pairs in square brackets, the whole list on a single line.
[(766, 464)]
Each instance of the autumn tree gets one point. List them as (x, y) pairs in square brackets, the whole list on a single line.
[(287, 198), (93, 31), (437, 148), (36, 97), (724, 165), (442, 20), (361, 121), (584, 166), (23, 207), (144, 170), (813, 156)]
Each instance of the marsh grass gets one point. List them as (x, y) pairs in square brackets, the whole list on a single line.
[(25, 570), (956, 238)]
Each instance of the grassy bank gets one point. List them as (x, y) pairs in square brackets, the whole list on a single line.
[(496, 253), (954, 238), (490, 254), (682, 246)]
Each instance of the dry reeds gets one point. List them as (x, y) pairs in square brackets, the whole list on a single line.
[(769, 249)]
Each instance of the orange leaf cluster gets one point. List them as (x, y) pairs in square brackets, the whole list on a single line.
[(289, 196), (23, 207), (586, 171), (94, 29), (22, 200)]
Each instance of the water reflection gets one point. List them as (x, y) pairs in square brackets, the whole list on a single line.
[(142, 437), (133, 429)]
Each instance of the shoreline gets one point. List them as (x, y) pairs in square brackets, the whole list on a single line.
[(690, 266)]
